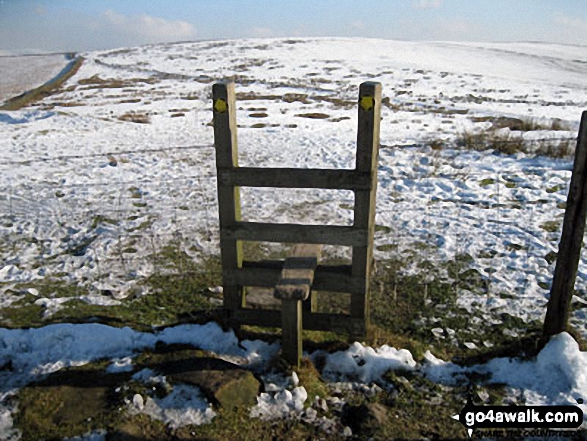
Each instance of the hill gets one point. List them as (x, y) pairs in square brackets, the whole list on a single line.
[(109, 195)]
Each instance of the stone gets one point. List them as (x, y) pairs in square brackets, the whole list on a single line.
[(365, 418), (223, 383), (138, 401), (68, 403)]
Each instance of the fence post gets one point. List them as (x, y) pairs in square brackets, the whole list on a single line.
[(569, 249), (225, 142), (364, 211)]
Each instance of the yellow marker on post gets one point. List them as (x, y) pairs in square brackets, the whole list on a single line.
[(367, 102), (220, 105)]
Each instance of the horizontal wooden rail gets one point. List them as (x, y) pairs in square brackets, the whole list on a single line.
[(296, 233), (332, 278), (313, 321), (295, 178)]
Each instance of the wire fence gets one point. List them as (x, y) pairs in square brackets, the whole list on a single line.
[(438, 217)]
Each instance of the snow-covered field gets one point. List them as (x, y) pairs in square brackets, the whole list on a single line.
[(83, 184), (98, 178), (25, 72)]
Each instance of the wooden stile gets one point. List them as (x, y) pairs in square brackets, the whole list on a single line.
[(353, 279)]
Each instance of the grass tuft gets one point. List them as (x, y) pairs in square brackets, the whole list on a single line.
[(135, 117), (510, 143)]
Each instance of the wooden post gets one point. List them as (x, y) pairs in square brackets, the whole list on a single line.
[(291, 331), (569, 249), (364, 215), (225, 142), (293, 287)]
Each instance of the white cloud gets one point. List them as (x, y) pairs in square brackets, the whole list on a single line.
[(427, 4), (40, 10), (358, 25), (259, 31), (457, 28), (570, 29), (148, 28), (571, 22)]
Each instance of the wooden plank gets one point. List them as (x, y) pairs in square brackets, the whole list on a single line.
[(297, 274), (569, 250), (295, 178), (271, 318), (332, 278), (317, 234), (293, 287), (225, 143), (369, 109), (291, 331)]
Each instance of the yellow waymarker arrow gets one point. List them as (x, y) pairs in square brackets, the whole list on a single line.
[(220, 105), (366, 102)]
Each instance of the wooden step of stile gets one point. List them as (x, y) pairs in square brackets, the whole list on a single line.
[(293, 287)]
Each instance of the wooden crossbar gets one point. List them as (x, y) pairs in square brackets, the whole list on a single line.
[(296, 233), (331, 278), (295, 178)]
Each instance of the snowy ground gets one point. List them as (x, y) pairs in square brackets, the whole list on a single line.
[(558, 376), (25, 72), (98, 178), (83, 185)]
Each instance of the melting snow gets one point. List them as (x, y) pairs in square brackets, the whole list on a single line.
[(558, 375)]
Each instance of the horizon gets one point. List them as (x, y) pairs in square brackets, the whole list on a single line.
[(73, 26)]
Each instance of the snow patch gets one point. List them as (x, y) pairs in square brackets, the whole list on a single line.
[(367, 364), (185, 405)]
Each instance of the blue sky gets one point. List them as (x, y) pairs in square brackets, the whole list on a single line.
[(78, 25)]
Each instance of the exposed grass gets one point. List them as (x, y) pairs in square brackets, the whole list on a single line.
[(404, 310), (135, 117), (510, 143), (491, 140), (95, 82), (69, 403), (47, 89), (313, 115), (412, 406), (522, 124), (177, 293)]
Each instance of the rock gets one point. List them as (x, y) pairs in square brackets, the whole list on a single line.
[(140, 427), (223, 383), (138, 402), (68, 403), (402, 383), (365, 418)]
